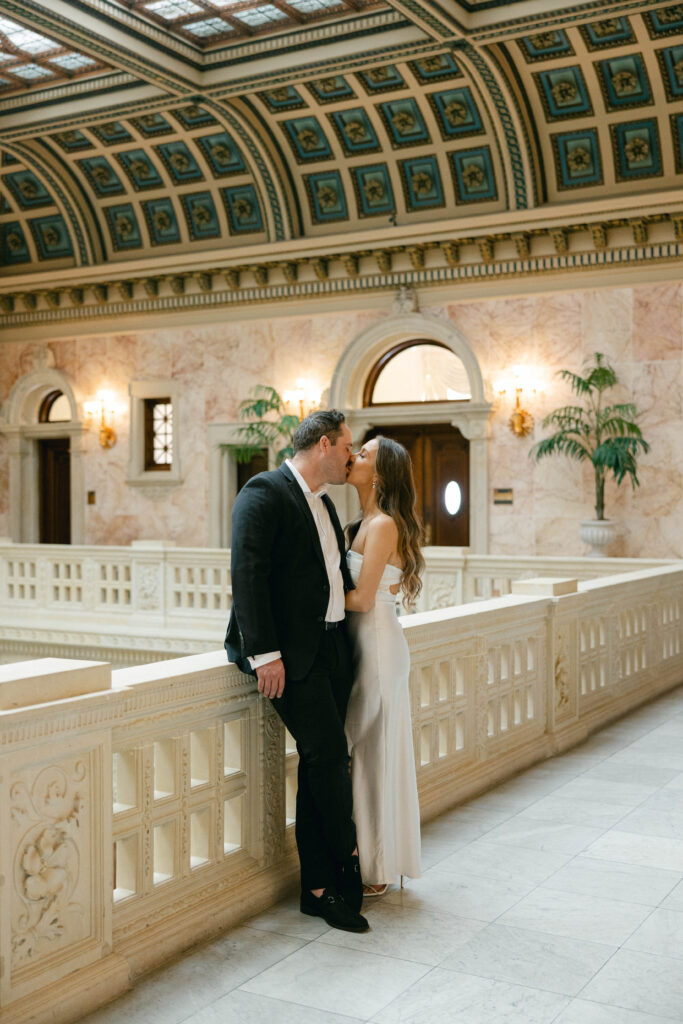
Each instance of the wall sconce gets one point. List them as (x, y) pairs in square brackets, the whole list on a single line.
[(521, 421), (103, 410), (306, 395)]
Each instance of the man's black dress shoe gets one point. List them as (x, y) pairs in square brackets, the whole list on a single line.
[(333, 909), (351, 886)]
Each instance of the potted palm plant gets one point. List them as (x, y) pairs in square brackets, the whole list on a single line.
[(606, 435), (267, 425)]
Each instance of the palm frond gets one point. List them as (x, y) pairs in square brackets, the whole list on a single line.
[(617, 426), (579, 384), (563, 444)]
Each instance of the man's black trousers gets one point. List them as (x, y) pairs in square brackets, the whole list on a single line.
[(314, 709)]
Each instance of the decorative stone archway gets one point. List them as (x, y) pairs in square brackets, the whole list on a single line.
[(470, 417), (20, 423)]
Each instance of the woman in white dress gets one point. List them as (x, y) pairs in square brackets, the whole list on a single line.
[(384, 558)]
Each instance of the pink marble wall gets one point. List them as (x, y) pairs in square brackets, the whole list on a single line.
[(640, 329)]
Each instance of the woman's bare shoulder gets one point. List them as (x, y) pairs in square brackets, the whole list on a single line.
[(382, 525)]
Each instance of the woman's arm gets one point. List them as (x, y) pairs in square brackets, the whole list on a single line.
[(380, 543)]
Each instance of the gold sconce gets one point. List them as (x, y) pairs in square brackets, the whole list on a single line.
[(103, 411), (521, 421), (306, 396)]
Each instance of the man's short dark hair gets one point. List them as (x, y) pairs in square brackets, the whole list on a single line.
[(323, 423)]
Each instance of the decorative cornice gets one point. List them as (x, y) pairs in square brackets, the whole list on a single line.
[(531, 23), (527, 253)]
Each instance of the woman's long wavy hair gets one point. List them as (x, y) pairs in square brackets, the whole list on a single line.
[(395, 496)]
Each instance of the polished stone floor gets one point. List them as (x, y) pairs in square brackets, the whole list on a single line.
[(556, 897)]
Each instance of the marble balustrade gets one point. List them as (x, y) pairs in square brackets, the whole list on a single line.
[(135, 604), (141, 817)]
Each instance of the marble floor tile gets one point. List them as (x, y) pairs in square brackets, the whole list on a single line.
[(408, 933), (521, 791), (446, 997), (175, 992), (594, 813), (667, 798), (647, 822), (550, 836), (631, 883), (620, 793), (639, 774), (649, 757), (581, 1011), (330, 977), (482, 899), (674, 901), (630, 848), (534, 959), (246, 1008), (575, 916), (434, 851), (676, 782), (503, 862), (661, 933), (640, 981), (285, 918)]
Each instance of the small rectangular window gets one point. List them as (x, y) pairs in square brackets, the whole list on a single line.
[(158, 434)]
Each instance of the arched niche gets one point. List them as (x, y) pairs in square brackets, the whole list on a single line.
[(21, 425), (469, 417)]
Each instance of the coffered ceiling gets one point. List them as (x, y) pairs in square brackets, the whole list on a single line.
[(205, 130)]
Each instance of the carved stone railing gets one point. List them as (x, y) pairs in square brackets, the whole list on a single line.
[(131, 605), (139, 818)]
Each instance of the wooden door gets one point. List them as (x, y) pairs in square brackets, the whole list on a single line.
[(440, 456), (55, 490), (246, 470)]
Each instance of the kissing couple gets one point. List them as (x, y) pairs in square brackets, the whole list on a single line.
[(317, 625)]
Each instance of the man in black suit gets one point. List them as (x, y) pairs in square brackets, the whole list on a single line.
[(287, 626)]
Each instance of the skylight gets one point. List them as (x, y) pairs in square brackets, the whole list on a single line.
[(260, 15), (210, 27), (28, 58), (310, 6), (172, 9), (24, 39), (209, 23), (71, 61), (31, 71)]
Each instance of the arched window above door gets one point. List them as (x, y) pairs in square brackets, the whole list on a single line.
[(54, 408), (417, 371)]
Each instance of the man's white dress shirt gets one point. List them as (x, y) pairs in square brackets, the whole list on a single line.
[(330, 548)]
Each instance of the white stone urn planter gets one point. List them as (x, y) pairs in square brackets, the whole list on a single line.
[(599, 533)]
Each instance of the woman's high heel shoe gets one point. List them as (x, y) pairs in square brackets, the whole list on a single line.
[(375, 890)]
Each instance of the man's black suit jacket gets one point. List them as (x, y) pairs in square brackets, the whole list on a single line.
[(280, 589)]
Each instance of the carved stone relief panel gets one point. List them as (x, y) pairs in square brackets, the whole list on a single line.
[(565, 670), (57, 868)]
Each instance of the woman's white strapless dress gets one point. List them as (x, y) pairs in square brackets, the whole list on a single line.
[(378, 728)]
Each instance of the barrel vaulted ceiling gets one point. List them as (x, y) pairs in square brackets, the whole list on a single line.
[(160, 143)]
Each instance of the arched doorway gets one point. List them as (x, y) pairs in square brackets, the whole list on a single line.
[(45, 443), (425, 371), (415, 378), (54, 473)]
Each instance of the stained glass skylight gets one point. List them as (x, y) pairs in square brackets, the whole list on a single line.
[(29, 58), (72, 61), (210, 27), (314, 6), (261, 15), (172, 9), (212, 22)]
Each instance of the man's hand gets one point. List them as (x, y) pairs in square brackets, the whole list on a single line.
[(271, 678)]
